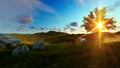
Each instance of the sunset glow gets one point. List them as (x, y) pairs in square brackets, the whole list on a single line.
[(100, 26)]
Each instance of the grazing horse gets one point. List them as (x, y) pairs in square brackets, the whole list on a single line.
[(82, 39)]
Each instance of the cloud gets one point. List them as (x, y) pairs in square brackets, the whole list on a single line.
[(21, 28), (72, 29), (24, 19), (34, 27), (80, 1), (27, 28), (20, 9), (73, 24), (83, 2), (38, 28), (115, 5), (55, 29), (66, 27), (24, 6), (43, 29), (46, 8)]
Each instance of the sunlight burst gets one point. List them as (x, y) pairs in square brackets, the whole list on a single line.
[(100, 26)]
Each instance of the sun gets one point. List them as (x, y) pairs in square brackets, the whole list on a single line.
[(100, 25)]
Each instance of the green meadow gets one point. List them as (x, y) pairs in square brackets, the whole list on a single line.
[(61, 54)]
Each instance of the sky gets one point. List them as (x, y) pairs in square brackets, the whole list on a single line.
[(31, 16)]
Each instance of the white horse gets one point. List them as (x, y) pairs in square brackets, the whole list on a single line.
[(82, 39)]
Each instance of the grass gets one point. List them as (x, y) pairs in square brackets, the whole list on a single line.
[(63, 56), (59, 54), (53, 56)]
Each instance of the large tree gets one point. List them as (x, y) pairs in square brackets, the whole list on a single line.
[(96, 21)]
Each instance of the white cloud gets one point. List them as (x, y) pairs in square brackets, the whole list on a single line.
[(115, 5), (24, 19), (24, 5), (11, 9), (80, 1)]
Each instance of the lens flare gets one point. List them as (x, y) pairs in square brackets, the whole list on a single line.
[(97, 23), (100, 26)]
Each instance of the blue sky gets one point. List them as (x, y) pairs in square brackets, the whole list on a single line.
[(30, 16)]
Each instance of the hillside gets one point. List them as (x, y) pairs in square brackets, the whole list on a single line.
[(59, 37), (49, 37)]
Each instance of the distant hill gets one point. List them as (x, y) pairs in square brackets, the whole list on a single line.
[(118, 33), (59, 37), (49, 37)]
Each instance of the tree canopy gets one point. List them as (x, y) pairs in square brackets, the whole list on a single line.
[(95, 17)]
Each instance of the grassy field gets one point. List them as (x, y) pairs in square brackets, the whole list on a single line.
[(64, 55)]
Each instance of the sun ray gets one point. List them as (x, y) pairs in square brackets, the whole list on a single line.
[(96, 22)]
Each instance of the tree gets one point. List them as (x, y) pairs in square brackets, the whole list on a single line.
[(96, 21)]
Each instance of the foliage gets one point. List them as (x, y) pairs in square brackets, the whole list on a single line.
[(95, 17)]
